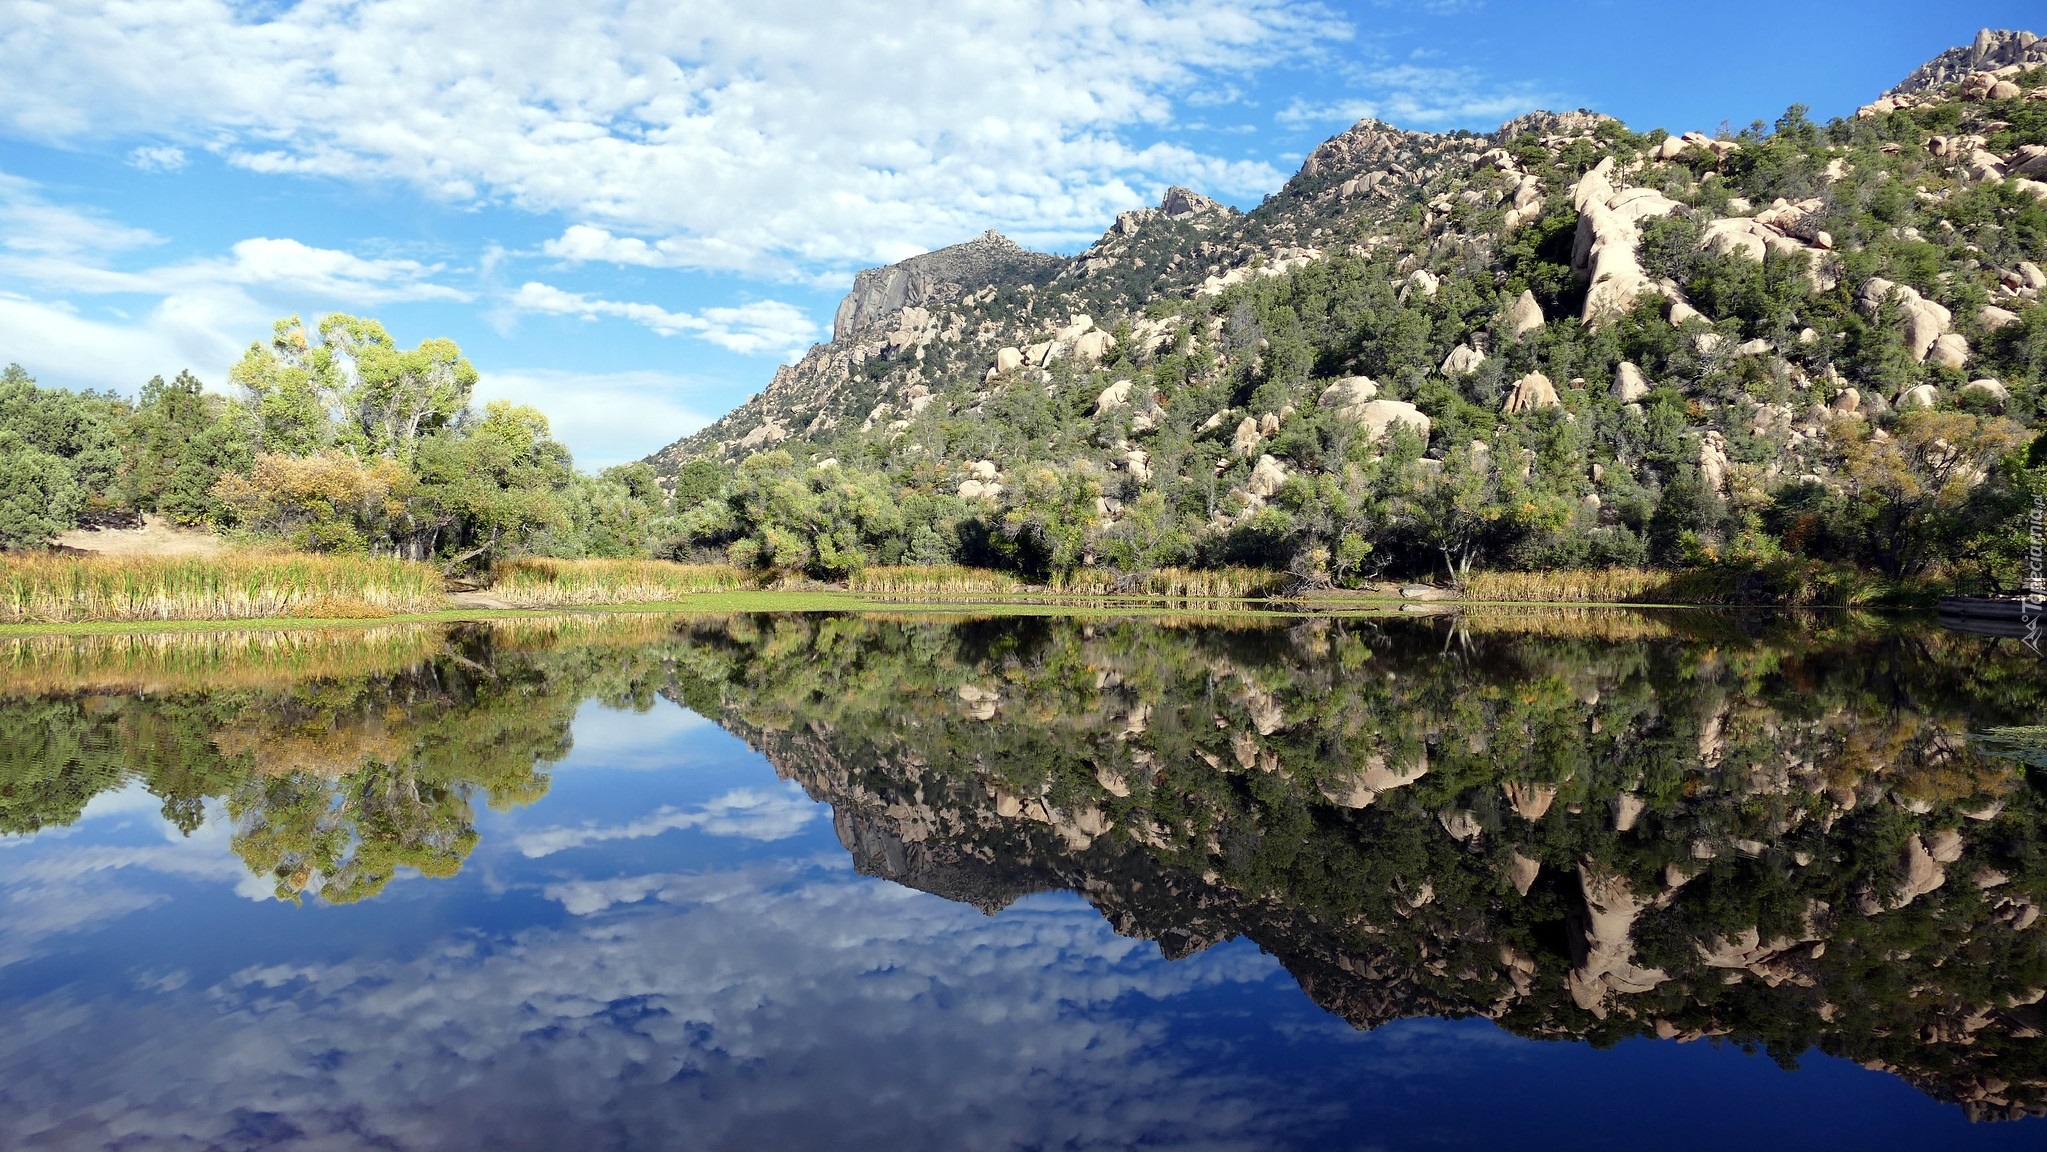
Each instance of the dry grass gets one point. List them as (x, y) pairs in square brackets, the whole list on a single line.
[(946, 580), (55, 589), (1577, 586), (1177, 584), (544, 583)]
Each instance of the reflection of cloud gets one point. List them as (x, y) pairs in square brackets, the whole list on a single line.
[(67, 884), (747, 813), (777, 1009)]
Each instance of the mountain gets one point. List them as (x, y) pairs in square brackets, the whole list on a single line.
[(1643, 348)]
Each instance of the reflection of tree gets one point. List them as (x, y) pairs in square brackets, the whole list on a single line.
[(50, 765), (333, 783), (352, 834)]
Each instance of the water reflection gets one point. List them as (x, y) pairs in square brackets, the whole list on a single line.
[(1577, 826)]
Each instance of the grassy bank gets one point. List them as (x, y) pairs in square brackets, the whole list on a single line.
[(57, 589), (70, 592), (545, 583)]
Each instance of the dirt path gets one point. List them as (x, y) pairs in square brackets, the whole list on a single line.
[(479, 600)]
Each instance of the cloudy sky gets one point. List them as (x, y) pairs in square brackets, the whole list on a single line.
[(629, 211)]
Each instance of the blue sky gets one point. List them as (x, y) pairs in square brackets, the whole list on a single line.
[(628, 212)]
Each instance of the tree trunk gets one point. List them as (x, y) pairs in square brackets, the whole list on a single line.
[(473, 553)]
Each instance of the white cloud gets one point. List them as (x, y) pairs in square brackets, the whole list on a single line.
[(29, 223), (200, 313), (750, 135), (746, 813), (605, 418), (1417, 96), (748, 329), (157, 158)]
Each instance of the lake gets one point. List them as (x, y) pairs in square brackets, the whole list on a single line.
[(1572, 878)]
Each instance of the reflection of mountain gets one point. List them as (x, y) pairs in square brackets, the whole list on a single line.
[(1784, 841), (1585, 826)]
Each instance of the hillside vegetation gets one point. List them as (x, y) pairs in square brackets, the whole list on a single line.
[(1788, 351)]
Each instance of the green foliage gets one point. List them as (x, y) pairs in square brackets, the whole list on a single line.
[(58, 454)]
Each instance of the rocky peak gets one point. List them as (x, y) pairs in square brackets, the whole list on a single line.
[(1362, 143), (1545, 123), (1179, 202), (947, 272), (1992, 49)]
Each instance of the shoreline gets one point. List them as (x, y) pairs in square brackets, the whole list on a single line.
[(826, 601)]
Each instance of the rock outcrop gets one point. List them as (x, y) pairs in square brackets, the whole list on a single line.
[(1990, 50), (943, 274), (1604, 253)]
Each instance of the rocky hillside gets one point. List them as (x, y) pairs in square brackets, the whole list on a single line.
[(1633, 348)]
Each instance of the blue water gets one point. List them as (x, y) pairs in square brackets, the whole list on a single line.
[(671, 950)]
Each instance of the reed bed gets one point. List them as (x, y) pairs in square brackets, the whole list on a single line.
[(544, 583), (57, 589), (936, 580), (1575, 586), (1177, 584)]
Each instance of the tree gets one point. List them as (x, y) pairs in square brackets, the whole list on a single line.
[(473, 495), (178, 442), (1910, 492), (293, 386), (394, 396), (1454, 508), (349, 383), (327, 502), (38, 497)]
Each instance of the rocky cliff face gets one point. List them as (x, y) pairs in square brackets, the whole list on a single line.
[(936, 277)]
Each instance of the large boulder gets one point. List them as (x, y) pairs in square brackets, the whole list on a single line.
[(1246, 439), (1992, 317), (1463, 360), (1922, 396), (1605, 253), (1991, 390), (1092, 345), (1378, 417), (1114, 396), (1268, 476), (1629, 385), (1925, 321), (1008, 359), (1525, 316), (1349, 393), (1531, 392), (1950, 351), (1713, 461)]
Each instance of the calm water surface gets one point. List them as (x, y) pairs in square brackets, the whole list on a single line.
[(1578, 880)]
